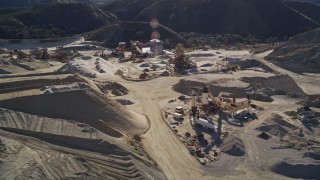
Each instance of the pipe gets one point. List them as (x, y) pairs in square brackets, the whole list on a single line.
[(193, 104)]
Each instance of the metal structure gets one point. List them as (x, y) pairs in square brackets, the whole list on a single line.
[(225, 102), (180, 59), (119, 51)]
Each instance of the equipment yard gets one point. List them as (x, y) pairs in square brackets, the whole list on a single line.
[(75, 109)]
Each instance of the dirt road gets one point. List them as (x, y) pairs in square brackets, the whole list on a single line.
[(160, 141)]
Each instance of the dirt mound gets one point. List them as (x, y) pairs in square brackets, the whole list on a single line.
[(264, 136), (185, 86), (295, 170), (281, 121), (273, 129), (280, 83), (89, 66), (86, 106), (277, 126), (233, 146)]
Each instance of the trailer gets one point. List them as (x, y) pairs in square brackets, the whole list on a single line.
[(204, 123)]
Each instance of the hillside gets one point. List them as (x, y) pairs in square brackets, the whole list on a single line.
[(310, 1), (309, 9), (300, 54), (47, 21), (30, 3), (259, 17), (126, 31), (23, 3)]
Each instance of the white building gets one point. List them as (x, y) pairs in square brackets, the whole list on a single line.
[(156, 47)]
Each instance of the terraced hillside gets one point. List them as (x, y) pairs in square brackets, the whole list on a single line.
[(51, 129)]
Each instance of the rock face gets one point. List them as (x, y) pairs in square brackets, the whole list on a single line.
[(300, 54)]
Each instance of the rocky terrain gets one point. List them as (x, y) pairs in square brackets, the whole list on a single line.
[(300, 53)]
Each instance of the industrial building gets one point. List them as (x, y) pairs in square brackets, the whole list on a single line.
[(156, 47)]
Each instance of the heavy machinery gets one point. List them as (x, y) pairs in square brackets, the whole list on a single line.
[(136, 50), (63, 55), (225, 102), (119, 51), (182, 61)]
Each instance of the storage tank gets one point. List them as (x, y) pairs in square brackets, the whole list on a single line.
[(205, 95)]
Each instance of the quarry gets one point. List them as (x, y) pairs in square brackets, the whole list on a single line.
[(73, 108)]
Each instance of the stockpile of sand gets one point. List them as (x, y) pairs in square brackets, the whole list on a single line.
[(85, 106), (185, 86), (90, 66), (273, 129), (277, 126), (233, 146), (280, 83), (295, 169)]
